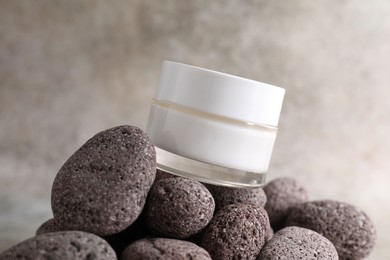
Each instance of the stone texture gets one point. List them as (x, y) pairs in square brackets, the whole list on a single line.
[(102, 187), (226, 195), (72, 245), (164, 248), (282, 195), (117, 241), (71, 68), (349, 229), (295, 243), (50, 225), (237, 231), (178, 207)]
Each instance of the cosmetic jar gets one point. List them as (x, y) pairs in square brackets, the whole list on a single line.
[(214, 127)]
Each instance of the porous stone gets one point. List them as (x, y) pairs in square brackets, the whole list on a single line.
[(237, 231), (282, 194), (50, 225), (118, 241), (164, 248), (226, 195), (178, 207), (72, 245), (103, 186), (349, 229), (295, 243)]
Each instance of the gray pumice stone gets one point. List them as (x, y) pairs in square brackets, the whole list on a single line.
[(237, 231), (178, 207), (164, 248), (102, 187), (295, 243), (50, 225), (282, 195), (349, 229), (227, 195), (72, 245)]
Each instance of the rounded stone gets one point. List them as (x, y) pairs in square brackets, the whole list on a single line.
[(295, 243), (282, 194), (224, 196), (178, 207), (118, 241), (50, 225), (102, 187), (164, 248), (72, 245), (349, 229), (237, 231)]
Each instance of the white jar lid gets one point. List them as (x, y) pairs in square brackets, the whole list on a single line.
[(220, 93)]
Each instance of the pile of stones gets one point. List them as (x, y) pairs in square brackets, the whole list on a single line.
[(110, 202)]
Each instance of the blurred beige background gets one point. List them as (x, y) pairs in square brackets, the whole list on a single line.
[(69, 69)]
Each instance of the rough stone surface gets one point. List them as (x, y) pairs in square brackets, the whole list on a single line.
[(347, 227), (103, 186), (178, 207), (282, 194), (237, 231), (295, 243), (164, 248), (226, 195), (50, 225), (118, 241), (72, 245)]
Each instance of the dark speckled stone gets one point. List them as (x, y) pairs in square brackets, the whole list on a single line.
[(72, 245), (178, 207), (103, 186), (164, 248), (226, 195), (237, 231), (282, 194), (117, 241), (347, 227), (295, 243), (49, 226)]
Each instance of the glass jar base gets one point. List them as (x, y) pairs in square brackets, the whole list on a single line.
[(207, 173)]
